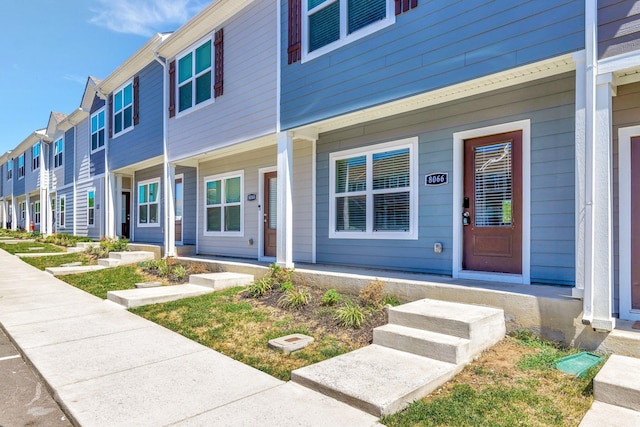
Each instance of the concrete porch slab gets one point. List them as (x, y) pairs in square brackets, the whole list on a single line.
[(144, 296), (60, 271), (604, 415), (219, 281), (618, 382), (376, 379)]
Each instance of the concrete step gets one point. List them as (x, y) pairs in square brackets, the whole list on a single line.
[(145, 296), (219, 281), (604, 415), (618, 382), (376, 379), (60, 271), (185, 250), (437, 346), (75, 249), (157, 249), (125, 258), (86, 245), (483, 326)]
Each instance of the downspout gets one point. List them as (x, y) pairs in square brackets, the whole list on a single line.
[(169, 248)]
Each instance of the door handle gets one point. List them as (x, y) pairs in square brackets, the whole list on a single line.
[(466, 218)]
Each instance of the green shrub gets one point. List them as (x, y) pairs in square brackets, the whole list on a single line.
[(259, 287), (286, 287), (331, 297), (295, 299), (349, 315), (373, 294), (179, 272), (279, 275), (391, 300)]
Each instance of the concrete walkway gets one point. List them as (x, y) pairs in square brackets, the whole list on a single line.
[(106, 366)]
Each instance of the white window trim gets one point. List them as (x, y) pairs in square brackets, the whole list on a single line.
[(34, 158), (56, 154), (137, 204), (23, 211), (345, 38), (113, 112), (192, 49), (523, 126), (37, 213), (24, 166), (369, 150), (91, 150), (222, 178), (62, 212), (94, 208)]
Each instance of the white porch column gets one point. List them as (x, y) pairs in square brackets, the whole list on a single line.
[(14, 214), (4, 214), (170, 211), (580, 177), (27, 212), (284, 251), (44, 218), (599, 291), (110, 211)]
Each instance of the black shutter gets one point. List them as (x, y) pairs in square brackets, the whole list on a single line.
[(136, 100), (111, 116), (294, 50), (219, 63), (172, 88)]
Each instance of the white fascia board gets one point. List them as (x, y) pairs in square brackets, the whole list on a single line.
[(210, 18), (72, 119), (135, 63)]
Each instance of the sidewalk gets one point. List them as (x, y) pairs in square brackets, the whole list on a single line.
[(108, 367)]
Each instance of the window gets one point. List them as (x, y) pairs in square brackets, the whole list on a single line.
[(61, 211), (23, 211), (91, 207), (36, 213), (373, 194), (97, 131), (333, 23), (123, 109), (21, 166), (223, 204), (10, 169), (194, 76), (148, 204), (36, 156), (58, 148)]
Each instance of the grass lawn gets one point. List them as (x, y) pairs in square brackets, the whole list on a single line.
[(512, 384), (23, 247), (232, 325), (109, 279), (43, 262)]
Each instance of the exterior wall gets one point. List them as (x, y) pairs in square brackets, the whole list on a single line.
[(32, 177), (248, 107), (69, 155), (618, 27), (32, 202), (626, 112), (148, 234), (57, 174), (69, 203), (18, 183), (83, 148), (190, 188), (7, 185), (548, 103), (144, 141), (82, 227), (250, 163), (432, 46)]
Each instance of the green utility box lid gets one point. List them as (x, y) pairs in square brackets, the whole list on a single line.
[(578, 364)]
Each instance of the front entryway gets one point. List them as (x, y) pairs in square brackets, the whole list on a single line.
[(270, 213), (126, 215), (492, 204)]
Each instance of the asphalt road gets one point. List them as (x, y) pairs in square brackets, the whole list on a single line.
[(24, 400)]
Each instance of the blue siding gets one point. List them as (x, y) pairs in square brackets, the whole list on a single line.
[(548, 103), (68, 210), (148, 234), (433, 46), (69, 155), (97, 104), (190, 201), (97, 162), (145, 140), (18, 184)]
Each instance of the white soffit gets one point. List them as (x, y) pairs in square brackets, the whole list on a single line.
[(512, 77)]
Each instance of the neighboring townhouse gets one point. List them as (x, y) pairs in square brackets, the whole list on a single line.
[(222, 146), (5, 191), (60, 155), (610, 191), (135, 147), (90, 164)]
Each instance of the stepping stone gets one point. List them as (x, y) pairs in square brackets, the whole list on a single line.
[(221, 280), (376, 379), (40, 254), (60, 271), (126, 258), (145, 296), (71, 264), (144, 285), (37, 248), (290, 343)]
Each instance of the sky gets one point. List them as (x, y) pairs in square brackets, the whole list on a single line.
[(50, 47)]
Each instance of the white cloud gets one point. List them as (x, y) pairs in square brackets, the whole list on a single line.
[(76, 79), (144, 17)]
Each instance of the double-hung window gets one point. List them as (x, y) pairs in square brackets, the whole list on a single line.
[(23, 212), (35, 151), (122, 109), (91, 208), (223, 204), (58, 148), (21, 166), (329, 24), (36, 212), (148, 203), (97, 130), (374, 192), (194, 76), (61, 212), (10, 169)]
